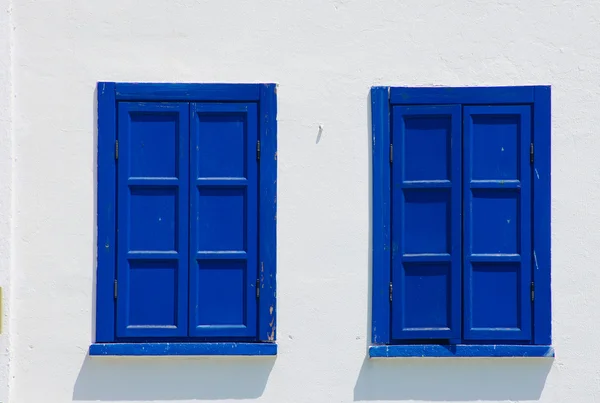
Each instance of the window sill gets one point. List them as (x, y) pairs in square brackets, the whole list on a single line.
[(460, 350), (183, 349)]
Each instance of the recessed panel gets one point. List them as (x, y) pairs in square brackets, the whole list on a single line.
[(221, 219), (495, 146), (495, 295), (426, 290), (221, 141), (426, 150), (426, 221), (152, 293), (495, 221), (221, 293), (153, 219), (153, 144)]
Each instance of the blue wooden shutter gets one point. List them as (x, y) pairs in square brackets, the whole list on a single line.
[(224, 220), (426, 222), (152, 223), (497, 216)]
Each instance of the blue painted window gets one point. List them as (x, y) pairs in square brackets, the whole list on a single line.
[(186, 214), (461, 217)]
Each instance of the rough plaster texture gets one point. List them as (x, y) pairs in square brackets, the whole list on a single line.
[(325, 55), (6, 194)]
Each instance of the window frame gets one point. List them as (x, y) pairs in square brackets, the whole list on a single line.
[(108, 96), (382, 99)]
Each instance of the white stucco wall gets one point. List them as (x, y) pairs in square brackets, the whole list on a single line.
[(6, 193), (325, 55)]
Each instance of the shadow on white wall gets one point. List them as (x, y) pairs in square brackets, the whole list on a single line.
[(452, 379), (172, 378)]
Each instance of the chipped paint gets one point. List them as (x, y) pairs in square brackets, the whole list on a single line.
[(181, 349), (461, 350)]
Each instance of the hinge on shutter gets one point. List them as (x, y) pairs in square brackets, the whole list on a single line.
[(391, 291), (532, 291), (116, 289), (116, 149), (391, 153), (531, 153), (258, 150), (257, 288)]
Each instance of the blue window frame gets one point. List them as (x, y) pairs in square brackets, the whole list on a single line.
[(186, 219), (461, 221)]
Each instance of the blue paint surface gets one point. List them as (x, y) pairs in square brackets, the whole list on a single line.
[(461, 350), (187, 92), (381, 197), (153, 188), (542, 308), (426, 222), (185, 349), (497, 223), (194, 202), (502, 208), (267, 221), (461, 95), (106, 214), (223, 220)]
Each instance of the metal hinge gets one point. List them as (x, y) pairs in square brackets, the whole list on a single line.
[(116, 149), (531, 153), (532, 291), (391, 153), (391, 291), (116, 287), (258, 150), (257, 288)]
